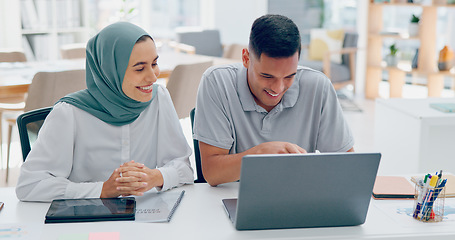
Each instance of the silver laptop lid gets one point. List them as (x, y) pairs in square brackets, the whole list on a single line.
[(305, 190)]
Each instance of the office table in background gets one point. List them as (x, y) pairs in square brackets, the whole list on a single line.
[(201, 216), (15, 78), (413, 137)]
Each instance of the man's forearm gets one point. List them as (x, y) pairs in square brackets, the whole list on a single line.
[(218, 169)]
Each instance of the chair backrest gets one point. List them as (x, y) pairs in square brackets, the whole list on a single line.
[(197, 153), (48, 87), (183, 85), (14, 56), (234, 51), (206, 42), (350, 41), (73, 51), (29, 124)]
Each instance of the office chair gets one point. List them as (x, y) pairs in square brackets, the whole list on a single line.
[(341, 74), (15, 101), (29, 124), (234, 51), (183, 85), (73, 51), (12, 56), (44, 91), (206, 42), (197, 153)]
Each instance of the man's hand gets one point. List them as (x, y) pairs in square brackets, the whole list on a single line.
[(276, 148), (220, 167)]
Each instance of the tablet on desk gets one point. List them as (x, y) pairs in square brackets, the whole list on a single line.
[(91, 210)]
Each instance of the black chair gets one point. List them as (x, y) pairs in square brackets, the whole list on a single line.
[(29, 124), (197, 154)]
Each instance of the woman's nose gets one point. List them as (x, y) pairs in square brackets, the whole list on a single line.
[(152, 75)]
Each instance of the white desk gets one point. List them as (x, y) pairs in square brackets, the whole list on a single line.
[(201, 216), (15, 78), (413, 137)]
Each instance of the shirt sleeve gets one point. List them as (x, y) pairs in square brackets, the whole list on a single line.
[(44, 174), (334, 132), (173, 150), (211, 123)]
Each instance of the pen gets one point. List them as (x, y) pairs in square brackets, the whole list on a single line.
[(422, 197), (431, 203), (440, 177), (422, 194), (1, 205), (429, 198)]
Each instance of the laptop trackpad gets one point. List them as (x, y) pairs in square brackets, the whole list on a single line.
[(230, 205)]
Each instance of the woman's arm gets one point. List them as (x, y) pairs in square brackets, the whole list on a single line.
[(44, 174), (173, 150)]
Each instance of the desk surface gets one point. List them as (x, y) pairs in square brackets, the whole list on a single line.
[(201, 216), (417, 108)]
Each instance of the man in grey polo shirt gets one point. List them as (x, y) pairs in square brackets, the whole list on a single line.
[(267, 105)]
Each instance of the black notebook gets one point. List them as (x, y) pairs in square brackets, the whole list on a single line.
[(91, 210)]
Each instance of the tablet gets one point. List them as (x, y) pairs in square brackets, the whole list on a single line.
[(91, 210)]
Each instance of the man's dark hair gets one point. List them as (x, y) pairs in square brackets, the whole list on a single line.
[(275, 36)]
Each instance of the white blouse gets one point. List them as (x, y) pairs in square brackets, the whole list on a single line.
[(75, 152)]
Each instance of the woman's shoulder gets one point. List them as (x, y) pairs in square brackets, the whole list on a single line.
[(62, 107), (161, 93), (160, 89), (68, 110)]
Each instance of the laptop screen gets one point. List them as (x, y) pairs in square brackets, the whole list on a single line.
[(305, 190)]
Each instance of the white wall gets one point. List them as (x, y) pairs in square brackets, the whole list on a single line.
[(10, 34), (232, 17), (362, 28)]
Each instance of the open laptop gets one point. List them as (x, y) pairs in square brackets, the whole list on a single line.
[(303, 190)]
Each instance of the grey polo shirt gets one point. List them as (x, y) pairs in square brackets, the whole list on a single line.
[(308, 115)]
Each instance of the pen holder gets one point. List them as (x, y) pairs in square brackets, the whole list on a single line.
[(429, 203)]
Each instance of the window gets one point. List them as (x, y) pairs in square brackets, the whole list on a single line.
[(159, 17)]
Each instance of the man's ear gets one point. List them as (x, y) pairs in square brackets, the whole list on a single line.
[(245, 57)]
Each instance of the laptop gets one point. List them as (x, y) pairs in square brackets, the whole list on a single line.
[(303, 190)]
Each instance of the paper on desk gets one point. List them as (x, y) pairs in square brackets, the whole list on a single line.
[(20, 231), (157, 206), (401, 212)]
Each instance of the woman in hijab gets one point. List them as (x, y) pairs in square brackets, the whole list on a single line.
[(121, 119)]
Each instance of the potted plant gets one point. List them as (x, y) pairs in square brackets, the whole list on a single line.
[(414, 26), (392, 58)]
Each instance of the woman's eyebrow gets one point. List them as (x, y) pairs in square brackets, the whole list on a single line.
[(138, 63), (142, 63)]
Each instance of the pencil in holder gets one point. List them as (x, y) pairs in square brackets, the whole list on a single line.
[(429, 203)]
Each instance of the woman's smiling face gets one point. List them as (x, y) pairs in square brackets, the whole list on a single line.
[(142, 71)]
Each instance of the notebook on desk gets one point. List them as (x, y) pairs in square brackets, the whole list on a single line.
[(393, 187), (303, 190)]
